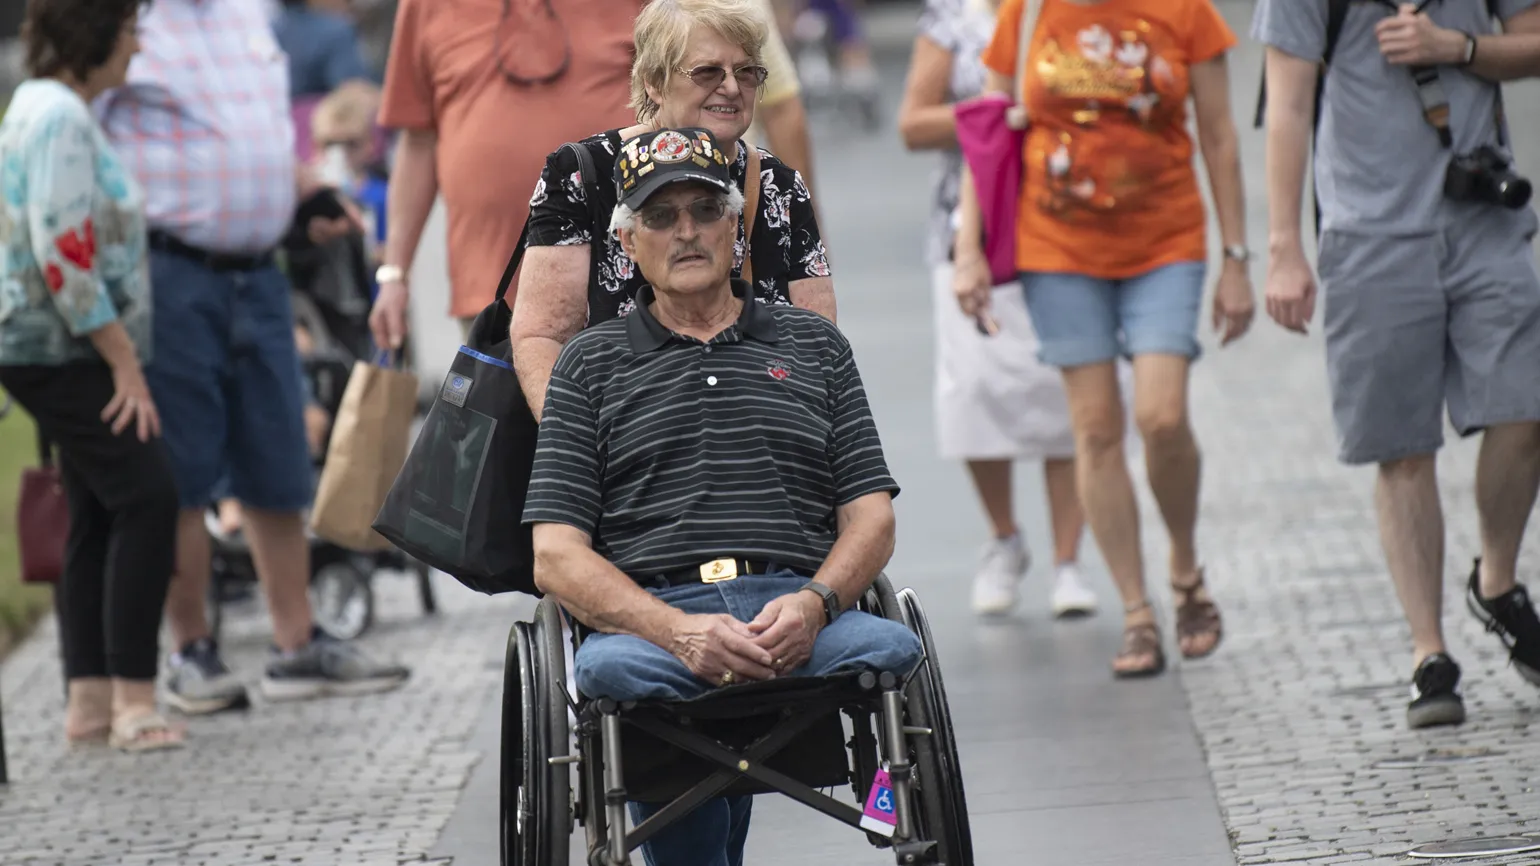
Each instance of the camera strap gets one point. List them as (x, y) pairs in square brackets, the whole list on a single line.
[(1435, 103)]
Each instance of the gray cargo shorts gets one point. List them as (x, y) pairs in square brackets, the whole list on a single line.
[(1415, 323)]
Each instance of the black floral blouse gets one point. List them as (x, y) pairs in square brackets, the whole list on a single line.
[(787, 245)]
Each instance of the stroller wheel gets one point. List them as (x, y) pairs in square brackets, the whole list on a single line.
[(341, 600)]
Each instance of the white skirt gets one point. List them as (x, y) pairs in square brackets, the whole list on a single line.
[(994, 399)]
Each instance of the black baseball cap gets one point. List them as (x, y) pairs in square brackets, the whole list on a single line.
[(653, 160)]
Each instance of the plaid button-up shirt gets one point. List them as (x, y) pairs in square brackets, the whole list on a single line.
[(204, 124)]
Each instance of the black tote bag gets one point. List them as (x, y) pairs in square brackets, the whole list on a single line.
[(457, 504)]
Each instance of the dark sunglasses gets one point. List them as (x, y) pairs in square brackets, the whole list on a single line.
[(662, 217), (711, 76)]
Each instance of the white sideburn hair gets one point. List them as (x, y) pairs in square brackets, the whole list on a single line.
[(624, 217)]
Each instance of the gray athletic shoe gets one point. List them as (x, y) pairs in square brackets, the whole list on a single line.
[(326, 667), (199, 683)]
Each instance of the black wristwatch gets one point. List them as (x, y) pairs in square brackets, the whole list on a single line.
[(831, 600)]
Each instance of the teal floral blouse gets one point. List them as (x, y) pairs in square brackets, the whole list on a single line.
[(72, 233)]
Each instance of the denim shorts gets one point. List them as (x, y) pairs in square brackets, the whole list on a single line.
[(225, 380), (1088, 320)]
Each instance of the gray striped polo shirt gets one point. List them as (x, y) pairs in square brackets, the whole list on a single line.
[(670, 452)]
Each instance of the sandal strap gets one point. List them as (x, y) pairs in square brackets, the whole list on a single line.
[(138, 726), (1130, 610), (1140, 639), (1187, 591)]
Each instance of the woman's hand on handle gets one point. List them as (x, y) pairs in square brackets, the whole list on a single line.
[(387, 319)]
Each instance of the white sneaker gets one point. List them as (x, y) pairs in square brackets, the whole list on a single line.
[(1071, 597), (1001, 568)]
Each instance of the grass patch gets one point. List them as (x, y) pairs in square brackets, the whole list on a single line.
[(20, 606)]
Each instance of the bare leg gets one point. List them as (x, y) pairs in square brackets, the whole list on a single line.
[(1412, 535), (1171, 458), (992, 480), (187, 596), (1174, 468), (88, 712), (282, 556), (1107, 493), (1507, 475), (1064, 510)]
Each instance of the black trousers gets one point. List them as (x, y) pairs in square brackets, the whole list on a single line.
[(123, 514)]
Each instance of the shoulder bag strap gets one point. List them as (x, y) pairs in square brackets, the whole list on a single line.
[(1336, 17), (44, 450), (1030, 11), (750, 208), (585, 163)]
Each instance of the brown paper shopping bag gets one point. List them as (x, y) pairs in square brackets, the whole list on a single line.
[(368, 445)]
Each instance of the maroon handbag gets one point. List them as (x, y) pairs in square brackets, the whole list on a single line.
[(42, 520)]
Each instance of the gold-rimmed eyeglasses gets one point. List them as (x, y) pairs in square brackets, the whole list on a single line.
[(710, 75)]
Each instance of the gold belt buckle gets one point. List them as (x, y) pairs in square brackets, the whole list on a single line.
[(718, 570)]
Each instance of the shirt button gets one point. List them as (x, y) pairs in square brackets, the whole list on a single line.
[(711, 380), (707, 350)]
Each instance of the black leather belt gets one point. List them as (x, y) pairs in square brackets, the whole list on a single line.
[(715, 571), (213, 261)]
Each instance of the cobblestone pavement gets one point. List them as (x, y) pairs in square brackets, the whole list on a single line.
[(338, 781), (1306, 697), (1310, 689)]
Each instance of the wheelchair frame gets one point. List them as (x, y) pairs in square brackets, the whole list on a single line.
[(787, 726)]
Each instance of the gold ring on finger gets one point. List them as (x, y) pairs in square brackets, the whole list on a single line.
[(780, 663), (728, 678)]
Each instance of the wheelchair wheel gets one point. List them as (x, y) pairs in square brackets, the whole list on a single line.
[(341, 600), (535, 817), (943, 804)]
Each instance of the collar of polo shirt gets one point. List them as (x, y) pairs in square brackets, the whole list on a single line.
[(647, 334)]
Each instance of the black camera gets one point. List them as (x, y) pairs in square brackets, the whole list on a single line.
[(1486, 176)]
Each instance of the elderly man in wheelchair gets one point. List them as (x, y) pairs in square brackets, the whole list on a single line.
[(711, 503)]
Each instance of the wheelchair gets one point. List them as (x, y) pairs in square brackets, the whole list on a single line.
[(789, 736)]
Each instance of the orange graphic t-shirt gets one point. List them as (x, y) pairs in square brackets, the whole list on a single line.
[(1109, 188)]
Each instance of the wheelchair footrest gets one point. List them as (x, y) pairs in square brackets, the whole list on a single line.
[(917, 853)]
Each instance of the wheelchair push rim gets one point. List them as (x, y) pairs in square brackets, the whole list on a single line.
[(535, 810), (943, 801)]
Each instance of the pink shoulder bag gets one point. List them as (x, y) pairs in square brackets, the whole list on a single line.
[(991, 130)]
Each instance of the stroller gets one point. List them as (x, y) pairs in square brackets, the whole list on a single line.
[(331, 302)]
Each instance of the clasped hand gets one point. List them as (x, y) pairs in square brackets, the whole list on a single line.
[(779, 640), (1410, 38)]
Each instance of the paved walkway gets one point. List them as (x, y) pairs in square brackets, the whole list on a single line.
[(1265, 753)]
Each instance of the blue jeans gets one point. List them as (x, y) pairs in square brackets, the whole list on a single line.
[(226, 379), (624, 667), (1087, 320)]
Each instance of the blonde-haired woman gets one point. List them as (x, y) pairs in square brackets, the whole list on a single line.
[(995, 403), (698, 65)]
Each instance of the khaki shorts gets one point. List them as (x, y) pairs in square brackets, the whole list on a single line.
[(1414, 324)]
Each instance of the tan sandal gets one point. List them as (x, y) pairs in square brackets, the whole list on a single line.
[(1139, 641), (95, 736), (148, 732), (1196, 618)]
